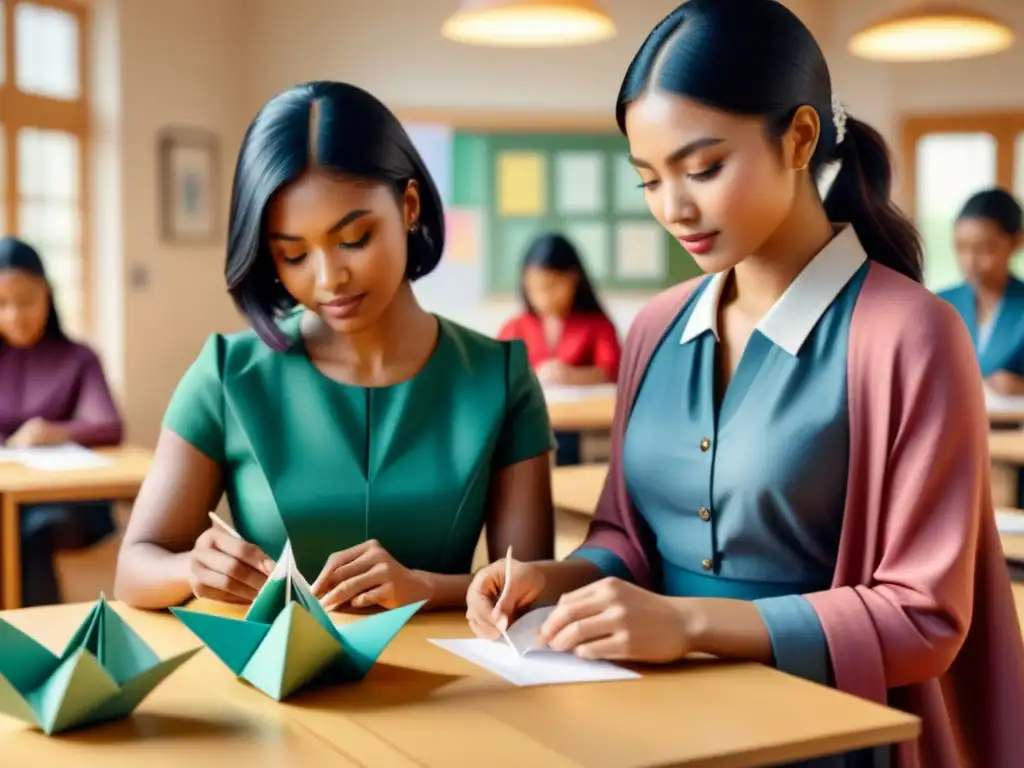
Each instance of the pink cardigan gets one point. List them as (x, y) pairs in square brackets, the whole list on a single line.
[(920, 615)]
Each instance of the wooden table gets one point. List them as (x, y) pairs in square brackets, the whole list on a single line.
[(118, 481), (425, 708), (1006, 446), (1013, 545), (588, 415), (577, 488)]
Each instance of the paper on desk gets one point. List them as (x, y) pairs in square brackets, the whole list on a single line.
[(996, 403), (523, 664), (1010, 523), (67, 456), (559, 393)]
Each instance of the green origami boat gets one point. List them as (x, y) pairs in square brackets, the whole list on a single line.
[(104, 673), (287, 640)]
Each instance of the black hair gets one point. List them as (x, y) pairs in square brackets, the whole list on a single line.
[(998, 206), (338, 127), (556, 253), (755, 57), (19, 255)]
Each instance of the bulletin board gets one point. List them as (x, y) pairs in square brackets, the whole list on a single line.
[(508, 188)]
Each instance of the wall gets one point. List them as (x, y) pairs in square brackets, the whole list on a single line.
[(159, 64)]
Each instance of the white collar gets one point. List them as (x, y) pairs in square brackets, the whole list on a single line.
[(792, 318)]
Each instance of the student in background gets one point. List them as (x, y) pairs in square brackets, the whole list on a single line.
[(52, 391), (799, 472), (376, 437), (568, 335), (988, 231)]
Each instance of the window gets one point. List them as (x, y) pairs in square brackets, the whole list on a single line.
[(945, 159), (44, 121)]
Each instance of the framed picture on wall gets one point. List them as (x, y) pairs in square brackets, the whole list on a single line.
[(188, 162)]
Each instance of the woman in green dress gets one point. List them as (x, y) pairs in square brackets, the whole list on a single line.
[(378, 438)]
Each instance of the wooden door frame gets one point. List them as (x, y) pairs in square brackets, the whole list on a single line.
[(1004, 127), (24, 110)]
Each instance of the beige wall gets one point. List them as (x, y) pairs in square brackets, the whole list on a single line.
[(211, 63), (180, 63)]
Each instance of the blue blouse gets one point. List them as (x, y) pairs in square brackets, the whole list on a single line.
[(745, 496), (1003, 349)]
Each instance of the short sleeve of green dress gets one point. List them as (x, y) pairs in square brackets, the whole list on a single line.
[(526, 429), (196, 410), (330, 465)]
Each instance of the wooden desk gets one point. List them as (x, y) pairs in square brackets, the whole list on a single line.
[(577, 488), (118, 481), (422, 707), (1006, 446), (588, 415), (1013, 546)]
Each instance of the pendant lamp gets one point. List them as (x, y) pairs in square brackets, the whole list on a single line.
[(526, 23), (932, 31)]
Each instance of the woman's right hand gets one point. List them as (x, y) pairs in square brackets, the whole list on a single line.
[(490, 608), (227, 569)]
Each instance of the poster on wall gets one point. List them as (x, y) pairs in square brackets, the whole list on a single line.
[(188, 186)]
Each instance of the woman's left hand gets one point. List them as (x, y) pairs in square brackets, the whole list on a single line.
[(366, 575), (37, 432), (613, 619), (553, 372)]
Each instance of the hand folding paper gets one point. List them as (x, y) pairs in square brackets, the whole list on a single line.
[(287, 640), (105, 671)]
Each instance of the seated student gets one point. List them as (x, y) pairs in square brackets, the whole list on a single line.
[(568, 336), (52, 390), (378, 438), (991, 301)]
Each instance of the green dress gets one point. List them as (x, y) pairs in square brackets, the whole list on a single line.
[(330, 465)]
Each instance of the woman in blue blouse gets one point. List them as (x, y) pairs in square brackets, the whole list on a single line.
[(991, 301)]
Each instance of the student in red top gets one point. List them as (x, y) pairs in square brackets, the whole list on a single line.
[(569, 338)]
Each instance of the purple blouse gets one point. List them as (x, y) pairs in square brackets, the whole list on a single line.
[(60, 381)]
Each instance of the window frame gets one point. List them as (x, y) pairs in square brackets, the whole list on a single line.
[(1003, 126), (26, 110)]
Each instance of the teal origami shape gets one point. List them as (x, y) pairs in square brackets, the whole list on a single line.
[(286, 639), (105, 671)]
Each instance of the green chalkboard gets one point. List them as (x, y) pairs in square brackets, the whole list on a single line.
[(580, 185)]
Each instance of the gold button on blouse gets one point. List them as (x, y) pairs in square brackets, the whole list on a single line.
[(706, 563), (705, 444), (705, 515)]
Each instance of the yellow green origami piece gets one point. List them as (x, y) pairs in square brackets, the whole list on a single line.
[(287, 641), (105, 671)]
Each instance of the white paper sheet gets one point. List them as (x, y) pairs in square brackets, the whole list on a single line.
[(996, 403), (570, 394), (521, 663), (579, 182), (1010, 523), (55, 457)]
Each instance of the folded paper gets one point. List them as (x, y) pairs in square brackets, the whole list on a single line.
[(522, 659), (105, 671), (286, 639)]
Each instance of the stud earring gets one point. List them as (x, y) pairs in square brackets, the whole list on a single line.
[(414, 228)]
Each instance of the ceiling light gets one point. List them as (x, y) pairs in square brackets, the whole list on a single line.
[(932, 31), (524, 23)]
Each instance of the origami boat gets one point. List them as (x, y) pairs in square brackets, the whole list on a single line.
[(104, 673), (287, 641)]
